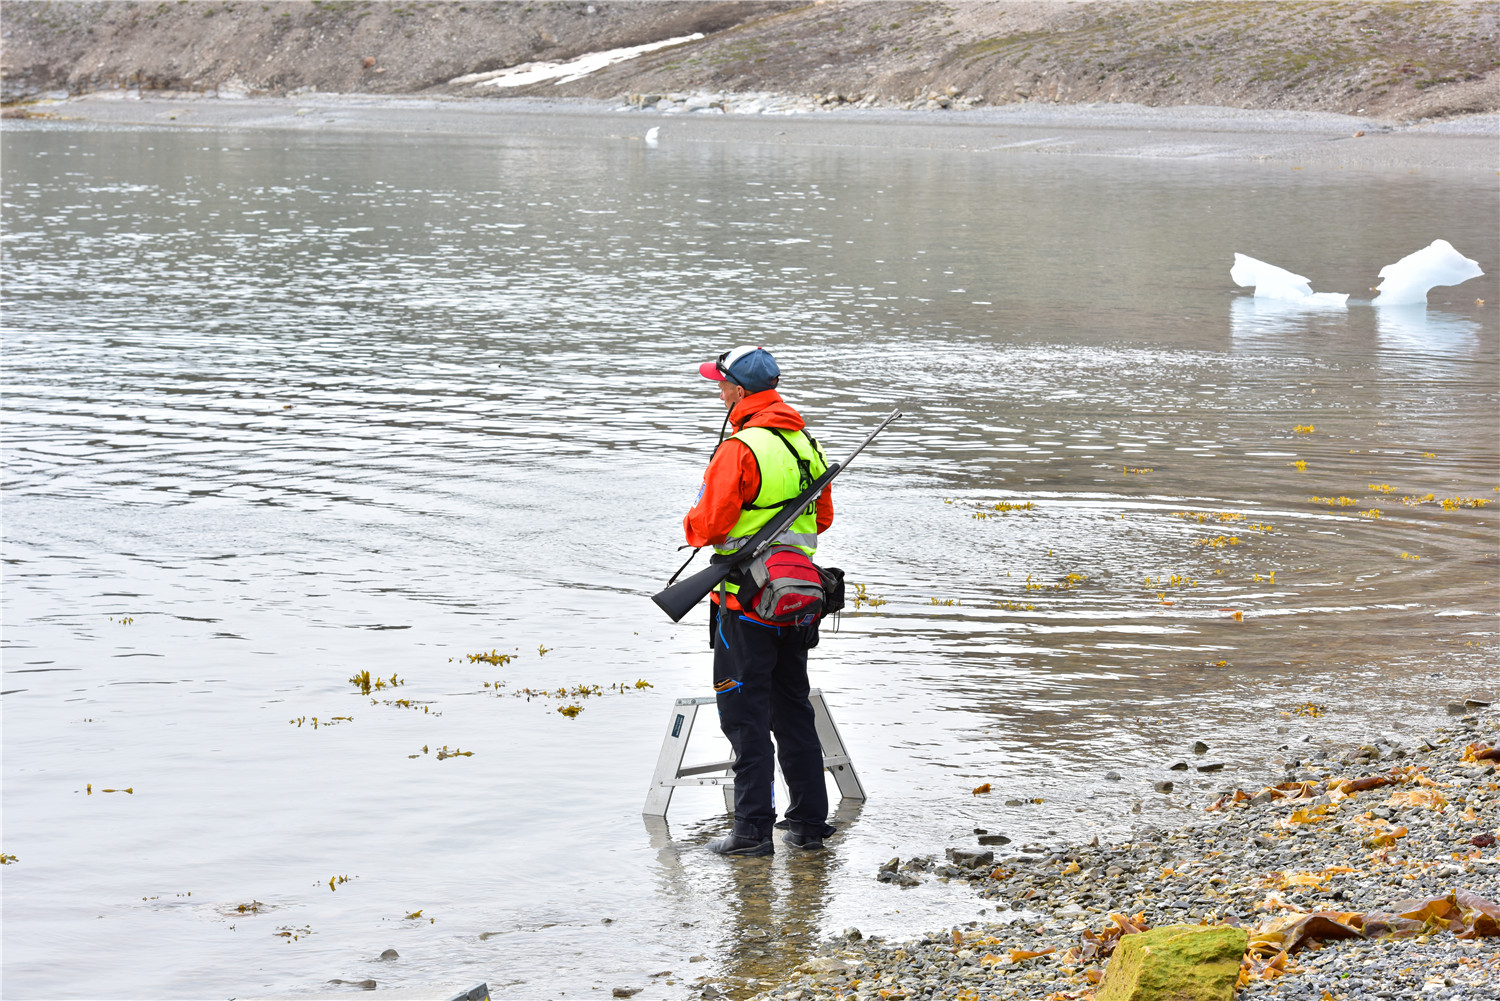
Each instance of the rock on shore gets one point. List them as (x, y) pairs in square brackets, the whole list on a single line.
[(1394, 848)]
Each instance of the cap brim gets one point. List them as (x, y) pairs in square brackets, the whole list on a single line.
[(710, 370)]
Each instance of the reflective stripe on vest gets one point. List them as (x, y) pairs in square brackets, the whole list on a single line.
[(807, 543), (780, 481)]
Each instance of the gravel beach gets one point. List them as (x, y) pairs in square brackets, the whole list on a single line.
[(1393, 846), (1296, 139)]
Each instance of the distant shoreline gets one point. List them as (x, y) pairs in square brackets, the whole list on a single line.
[(1199, 133), (1397, 62)]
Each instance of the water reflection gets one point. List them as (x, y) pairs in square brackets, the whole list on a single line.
[(773, 907), (1254, 320), (1416, 336)]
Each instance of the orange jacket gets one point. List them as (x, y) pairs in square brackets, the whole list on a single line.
[(732, 479)]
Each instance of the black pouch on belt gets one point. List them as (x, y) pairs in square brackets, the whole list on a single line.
[(833, 590)]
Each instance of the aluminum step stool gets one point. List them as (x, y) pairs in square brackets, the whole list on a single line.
[(671, 772)]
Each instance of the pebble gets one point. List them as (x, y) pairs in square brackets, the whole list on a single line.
[(1235, 864)]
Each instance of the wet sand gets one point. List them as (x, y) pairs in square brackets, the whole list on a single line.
[(1302, 139)]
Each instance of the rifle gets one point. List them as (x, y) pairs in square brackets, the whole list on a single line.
[(678, 599)]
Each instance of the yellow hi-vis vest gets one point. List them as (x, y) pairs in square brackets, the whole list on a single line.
[(781, 479)]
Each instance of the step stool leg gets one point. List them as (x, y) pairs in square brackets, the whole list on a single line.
[(835, 755), (673, 747)]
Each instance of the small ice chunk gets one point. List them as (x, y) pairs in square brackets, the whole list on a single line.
[(651, 135), (1325, 299), (1272, 282), (1409, 279)]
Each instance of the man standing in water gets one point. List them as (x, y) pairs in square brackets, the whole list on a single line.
[(760, 669)]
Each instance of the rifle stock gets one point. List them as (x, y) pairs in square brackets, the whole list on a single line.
[(680, 598)]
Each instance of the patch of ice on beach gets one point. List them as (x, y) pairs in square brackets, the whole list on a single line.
[(1408, 281), (1271, 282), (573, 69)]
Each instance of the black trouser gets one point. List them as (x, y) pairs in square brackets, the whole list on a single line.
[(770, 665)]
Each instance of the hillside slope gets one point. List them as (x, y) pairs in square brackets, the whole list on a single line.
[(1396, 60)]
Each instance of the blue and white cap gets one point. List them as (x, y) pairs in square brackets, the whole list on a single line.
[(749, 366)]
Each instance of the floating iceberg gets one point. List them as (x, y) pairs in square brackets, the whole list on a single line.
[(1272, 282), (1408, 280)]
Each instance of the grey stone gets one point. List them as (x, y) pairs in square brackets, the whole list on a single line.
[(1162, 786), (970, 858), (1178, 766), (1199, 747)]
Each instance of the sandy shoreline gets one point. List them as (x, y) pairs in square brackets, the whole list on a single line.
[(1230, 135)]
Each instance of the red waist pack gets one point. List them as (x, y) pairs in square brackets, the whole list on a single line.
[(784, 587)]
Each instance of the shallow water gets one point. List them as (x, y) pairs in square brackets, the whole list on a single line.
[(298, 407)]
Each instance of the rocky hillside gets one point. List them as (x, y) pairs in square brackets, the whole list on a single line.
[(1398, 60)]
